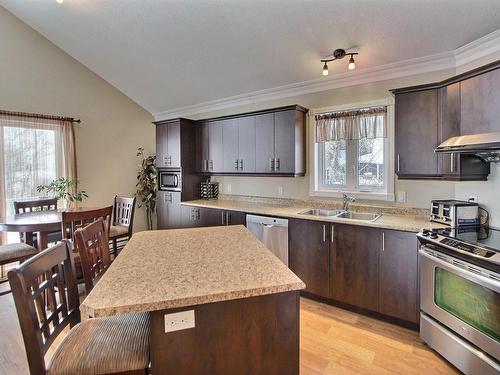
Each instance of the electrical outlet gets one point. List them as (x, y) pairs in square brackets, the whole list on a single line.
[(179, 321), (280, 190), (401, 196), (229, 188), (473, 198)]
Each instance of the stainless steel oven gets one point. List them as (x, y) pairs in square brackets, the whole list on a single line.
[(460, 309), (169, 179)]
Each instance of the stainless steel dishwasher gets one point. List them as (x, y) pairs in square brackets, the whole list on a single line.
[(272, 232)]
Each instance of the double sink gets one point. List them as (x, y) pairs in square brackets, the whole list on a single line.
[(341, 214)]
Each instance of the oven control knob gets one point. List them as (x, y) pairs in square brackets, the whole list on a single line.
[(425, 232), (434, 235)]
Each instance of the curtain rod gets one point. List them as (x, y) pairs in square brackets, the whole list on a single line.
[(40, 116)]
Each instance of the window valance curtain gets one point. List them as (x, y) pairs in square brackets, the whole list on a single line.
[(34, 150), (356, 124)]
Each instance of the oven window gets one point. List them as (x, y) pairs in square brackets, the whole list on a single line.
[(472, 303)]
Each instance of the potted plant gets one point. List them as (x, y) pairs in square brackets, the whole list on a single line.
[(146, 184), (64, 189)]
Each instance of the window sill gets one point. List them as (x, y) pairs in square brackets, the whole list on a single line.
[(369, 195)]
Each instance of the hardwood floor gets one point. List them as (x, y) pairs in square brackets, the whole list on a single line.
[(333, 341)]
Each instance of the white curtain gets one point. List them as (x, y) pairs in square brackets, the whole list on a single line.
[(362, 123), (34, 150)]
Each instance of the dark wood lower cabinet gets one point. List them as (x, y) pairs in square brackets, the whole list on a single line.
[(398, 276), (309, 254), (257, 335), (355, 266)]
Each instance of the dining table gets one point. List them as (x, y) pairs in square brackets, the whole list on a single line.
[(40, 222)]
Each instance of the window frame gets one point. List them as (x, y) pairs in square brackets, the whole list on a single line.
[(318, 188)]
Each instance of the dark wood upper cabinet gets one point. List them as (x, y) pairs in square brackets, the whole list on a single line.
[(355, 266), (398, 275), (168, 150), (264, 143), (215, 149), (480, 103), (230, 145), (416, 117), (427, 115), (309, 254), (247, 150)]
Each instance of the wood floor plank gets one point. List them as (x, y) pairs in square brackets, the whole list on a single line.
[(332, 341)]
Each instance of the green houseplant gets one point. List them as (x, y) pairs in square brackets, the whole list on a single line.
[(146, 184), (63, 189)]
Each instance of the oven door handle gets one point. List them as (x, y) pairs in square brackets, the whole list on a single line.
[(471, 276)]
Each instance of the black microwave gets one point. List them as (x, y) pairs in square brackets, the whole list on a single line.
[(169, 180)]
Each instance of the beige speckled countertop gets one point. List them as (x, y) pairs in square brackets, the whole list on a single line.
[(184, 267), (397, 218)]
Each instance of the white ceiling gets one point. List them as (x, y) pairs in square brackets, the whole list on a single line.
[(170, 54)]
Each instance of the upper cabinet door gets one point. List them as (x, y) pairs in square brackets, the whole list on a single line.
[(230, 145), (174, 145), (416, 133), (162, 146), (480, 96), (246, 144), (215, 147), (284, 141), (264, 143), (202, 147), (449, 126)]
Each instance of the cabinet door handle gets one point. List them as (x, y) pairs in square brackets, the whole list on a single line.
[(383, 241), (236, 164), (452, 162), (227, 218), (271, 164), (205, 165), (241, 164), (324, 232), (211, 165), (222, 213), (332, 233), (278, 164), (398, 162)]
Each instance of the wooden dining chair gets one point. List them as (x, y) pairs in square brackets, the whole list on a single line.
[(93, 246), (115, 345), (73, 220), (123, 222), (41, 204), (14, 252)]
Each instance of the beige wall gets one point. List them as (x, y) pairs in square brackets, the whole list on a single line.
[(36, 76)]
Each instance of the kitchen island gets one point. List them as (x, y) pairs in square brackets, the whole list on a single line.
[(244, 301)]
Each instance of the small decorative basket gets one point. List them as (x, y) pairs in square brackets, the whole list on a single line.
[(209, 190)]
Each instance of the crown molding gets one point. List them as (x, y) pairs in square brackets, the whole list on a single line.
[(477, 49)]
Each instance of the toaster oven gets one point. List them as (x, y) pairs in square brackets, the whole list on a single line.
[(455, 213)]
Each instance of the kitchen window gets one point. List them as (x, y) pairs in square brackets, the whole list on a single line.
[(352, 152)]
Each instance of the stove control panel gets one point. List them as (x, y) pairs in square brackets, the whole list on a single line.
[(466, 247)]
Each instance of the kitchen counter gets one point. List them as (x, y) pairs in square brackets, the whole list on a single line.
[(175, 268), (213, 295), (404, 220)]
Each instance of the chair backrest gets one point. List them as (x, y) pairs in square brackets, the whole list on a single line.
[(72, 220), (93, 246), (46, 297), (21, 207), (123, 211)]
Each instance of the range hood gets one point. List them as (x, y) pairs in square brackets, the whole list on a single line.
[(485, 145)]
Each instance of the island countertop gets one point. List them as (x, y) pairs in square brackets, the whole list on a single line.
[(166, 269)]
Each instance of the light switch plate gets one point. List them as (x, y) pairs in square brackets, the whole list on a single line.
[(179, 321), (401, 196), (229, 188), (280, 190)]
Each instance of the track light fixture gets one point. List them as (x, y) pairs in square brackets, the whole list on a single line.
[(339, 54)]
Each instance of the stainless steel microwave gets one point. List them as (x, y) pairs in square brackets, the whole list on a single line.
[(169, 179)]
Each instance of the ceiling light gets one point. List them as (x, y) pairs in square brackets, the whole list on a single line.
[(339, 54), (325, 69), (351, 65), (60, 1)]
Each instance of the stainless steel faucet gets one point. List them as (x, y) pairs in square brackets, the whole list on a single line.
[(346, 199)]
